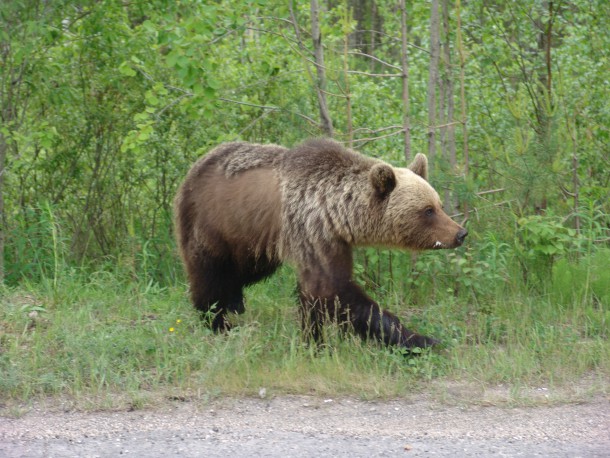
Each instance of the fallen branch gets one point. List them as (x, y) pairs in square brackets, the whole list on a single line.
[(476, 210), (369, 139), (491, 191)]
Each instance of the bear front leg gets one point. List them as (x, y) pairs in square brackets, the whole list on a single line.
[(370, 321), (392, 332), (352, 305)]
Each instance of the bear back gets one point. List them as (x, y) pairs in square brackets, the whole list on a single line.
[(236, 157)]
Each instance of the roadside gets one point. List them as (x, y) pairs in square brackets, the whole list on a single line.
[(309, 426)]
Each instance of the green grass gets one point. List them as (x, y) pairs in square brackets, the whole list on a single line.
[(106, 340)]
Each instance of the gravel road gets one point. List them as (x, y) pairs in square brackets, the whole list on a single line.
[(312, 427)]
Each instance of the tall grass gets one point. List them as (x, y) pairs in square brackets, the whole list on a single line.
[(99, 336), (94, 336), (117, 336)]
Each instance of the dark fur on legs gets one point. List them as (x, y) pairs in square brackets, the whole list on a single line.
[(356, 310)]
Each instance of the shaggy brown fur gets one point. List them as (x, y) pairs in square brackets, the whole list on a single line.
[(244, 209)]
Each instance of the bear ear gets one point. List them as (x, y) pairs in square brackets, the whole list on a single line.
[(383, 179), (419, 166)]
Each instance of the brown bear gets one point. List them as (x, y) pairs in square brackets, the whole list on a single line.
[(244, 208)]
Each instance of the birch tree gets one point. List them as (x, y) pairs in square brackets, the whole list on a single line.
[(433, 77), (406, 122), (318, 50)]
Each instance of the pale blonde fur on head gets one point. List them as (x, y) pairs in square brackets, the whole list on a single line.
[(420, 192)]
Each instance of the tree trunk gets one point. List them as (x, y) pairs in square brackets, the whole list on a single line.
[(433, 78), (545, 103), (346, 92), (373, 34), (316, 35), (460, 45), (3, 148), (405, 81), (448, 132)]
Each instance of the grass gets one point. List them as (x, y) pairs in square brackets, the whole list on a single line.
[(106, 340)]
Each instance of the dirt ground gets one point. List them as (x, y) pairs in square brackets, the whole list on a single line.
[(313, 427)]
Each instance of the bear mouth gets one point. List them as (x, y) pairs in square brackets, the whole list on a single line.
[(438, 245)]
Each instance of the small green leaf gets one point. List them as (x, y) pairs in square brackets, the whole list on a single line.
[(126, 69), (151, 99), (214, 83)]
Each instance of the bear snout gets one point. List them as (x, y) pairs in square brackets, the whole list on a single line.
[(460, 236)]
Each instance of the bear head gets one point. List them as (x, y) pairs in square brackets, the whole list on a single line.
[(412, 216)]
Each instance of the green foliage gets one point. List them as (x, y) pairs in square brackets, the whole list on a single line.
[(540, 240), (122, 98), (105, 105)]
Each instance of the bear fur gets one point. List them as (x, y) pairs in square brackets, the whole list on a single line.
[(244, 209)]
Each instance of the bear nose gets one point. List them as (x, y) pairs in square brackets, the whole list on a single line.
[(460, 236)]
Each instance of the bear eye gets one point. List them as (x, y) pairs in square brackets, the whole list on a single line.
[(429, 212)]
